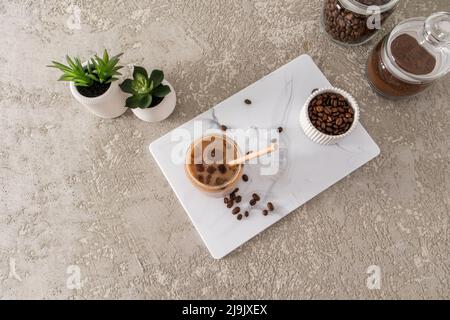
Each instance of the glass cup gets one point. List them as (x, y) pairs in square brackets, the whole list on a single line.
[(206, 165)]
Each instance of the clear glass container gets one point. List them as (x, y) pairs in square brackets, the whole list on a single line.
[(354, 22), (414, 55), (213, 152)]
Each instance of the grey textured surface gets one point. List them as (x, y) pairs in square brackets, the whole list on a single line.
[(78, 190)]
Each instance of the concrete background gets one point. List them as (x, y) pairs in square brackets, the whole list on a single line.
[(78, 190)]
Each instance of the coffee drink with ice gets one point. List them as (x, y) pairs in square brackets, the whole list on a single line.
[(207, 164)]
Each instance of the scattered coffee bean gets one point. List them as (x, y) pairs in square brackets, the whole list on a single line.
[(223, 128), (239, 216), (256, 197), (327, 117), (246, 214), (233, 196), (235, 191), (238, 199), (230, 204), (211, 169), (226, 200), (248, 152), (248, 101), (280, 129), (270, 206), (252, 202), (265, 212), (245, 178), (236, 210)]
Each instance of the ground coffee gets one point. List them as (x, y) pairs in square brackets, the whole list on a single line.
[(410, 56)]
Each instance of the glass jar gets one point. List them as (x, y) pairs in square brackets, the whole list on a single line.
[(354, 22), (411, 57)]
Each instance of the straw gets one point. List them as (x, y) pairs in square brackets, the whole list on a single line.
[(253, 155)]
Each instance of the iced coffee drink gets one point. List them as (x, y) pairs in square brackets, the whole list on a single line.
[(207, 164)]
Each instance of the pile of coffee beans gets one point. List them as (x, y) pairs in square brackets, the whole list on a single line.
[(331, 113), (234, 198), (347, 26)]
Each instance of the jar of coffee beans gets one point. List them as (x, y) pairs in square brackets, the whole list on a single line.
[(353, 22)]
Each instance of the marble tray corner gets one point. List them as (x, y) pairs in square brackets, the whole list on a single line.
[(276, 101)]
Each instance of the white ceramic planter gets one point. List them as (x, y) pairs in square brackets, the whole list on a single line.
[(160, 112), (317, 136), (109, 105)]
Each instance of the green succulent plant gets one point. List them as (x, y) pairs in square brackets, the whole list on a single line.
[(105, 70), (101, 70), (144, 89)]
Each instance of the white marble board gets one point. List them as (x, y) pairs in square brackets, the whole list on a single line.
[(309, 168)]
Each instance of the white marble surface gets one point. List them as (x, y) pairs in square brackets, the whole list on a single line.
[(309, 168)]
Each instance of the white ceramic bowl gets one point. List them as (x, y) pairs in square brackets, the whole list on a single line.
[(313, 133)]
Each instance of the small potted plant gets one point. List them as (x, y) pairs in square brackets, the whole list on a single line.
[(94, 84), (152, 98)]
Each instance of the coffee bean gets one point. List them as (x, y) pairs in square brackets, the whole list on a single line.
[(252, 202), (245, 178), (246, 214), (256, 197), (199, 167), (220, 181), (238, 199), (211, 169), (239, 217), (248, 101), (236, 210), (270, 206), (230, 204), (223, 128), (280, 129), (226, 200), (235, 191), (222, 169), (265, 212), (200, 178)]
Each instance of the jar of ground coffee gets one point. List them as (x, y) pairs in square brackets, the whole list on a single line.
[(353, 22), (411, 57)]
